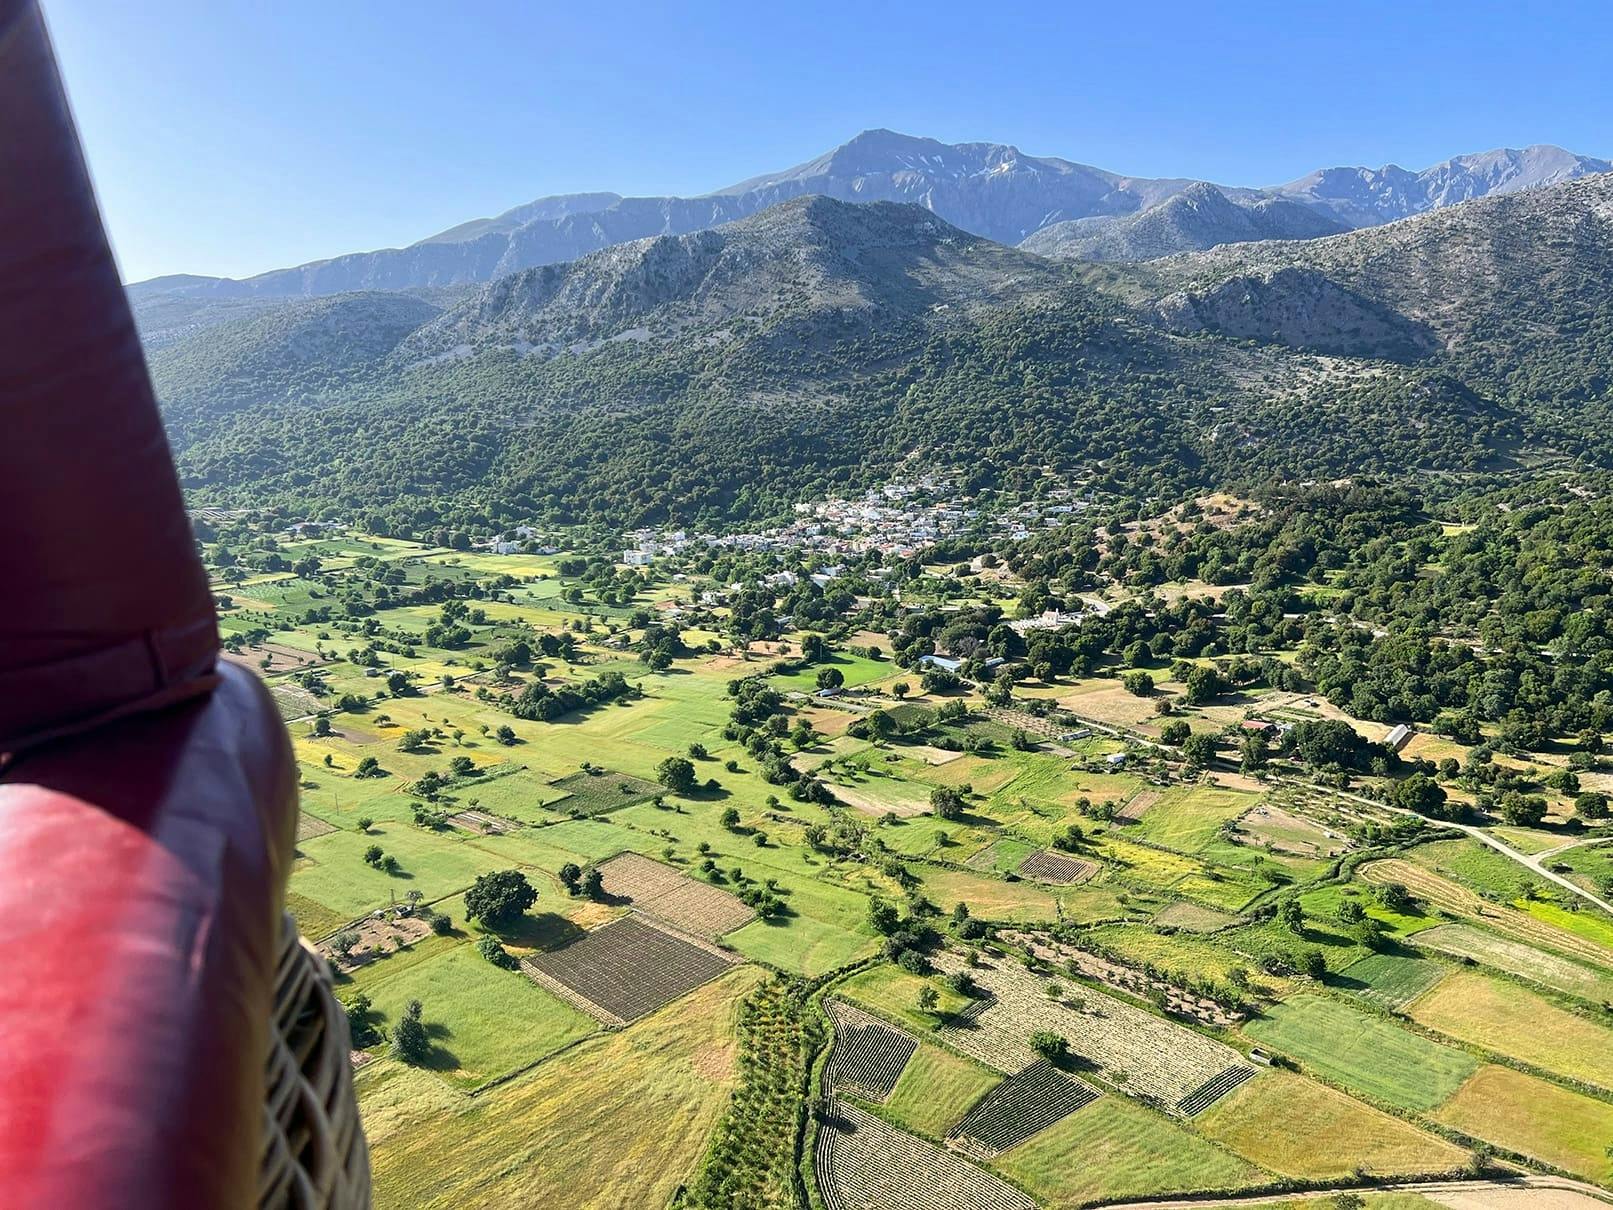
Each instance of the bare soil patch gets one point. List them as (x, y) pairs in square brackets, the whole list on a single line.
[(378, 934)]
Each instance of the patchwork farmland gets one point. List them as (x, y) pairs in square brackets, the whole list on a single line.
[(863, 1163), (869, 1055), (621, 971), (1154, 901)]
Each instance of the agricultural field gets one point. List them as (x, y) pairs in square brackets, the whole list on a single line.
[(1121, 1044), (1535, 1118), (868, 1056), (1389, 980), (1305, 1130), (1363, 1052), (1116, 1149), (1026, 1103), (625, 969), (862, 1163), (1516, 958), (495, 714), (671, 895), (1508, 1020)]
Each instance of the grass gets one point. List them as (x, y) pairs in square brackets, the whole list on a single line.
[(1511, 1021), (1363, 1052), (1517, 958), (1115, 1149), (892, 992), (1189, 818), (619, 1120), (1588, 923), (596, 793), (936, 1090), (1298, 1128), (1390, 980), (1529, 1115), (483, 1021)]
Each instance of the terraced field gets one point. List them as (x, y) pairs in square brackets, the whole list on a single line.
[(1127, 1046), (669, 894), (868, 1056), (1026, 1103), (862, 1163), (620, 971)]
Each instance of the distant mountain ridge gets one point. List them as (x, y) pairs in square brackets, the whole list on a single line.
[(989, 189), (1199, 217)]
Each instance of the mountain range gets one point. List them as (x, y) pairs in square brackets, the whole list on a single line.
[(988, 189), (820, 345)]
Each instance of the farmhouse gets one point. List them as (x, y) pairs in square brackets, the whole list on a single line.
[(1399, 737)]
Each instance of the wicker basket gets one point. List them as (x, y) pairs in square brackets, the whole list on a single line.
[(314, 1154)]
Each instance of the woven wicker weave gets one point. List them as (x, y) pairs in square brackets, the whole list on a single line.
[(314, 1154)]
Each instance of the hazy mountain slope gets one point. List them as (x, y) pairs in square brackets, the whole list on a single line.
[(1199, 217), (1366, 197), (989, 189)]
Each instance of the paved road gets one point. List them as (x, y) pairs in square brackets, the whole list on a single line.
[(1571, 1193)]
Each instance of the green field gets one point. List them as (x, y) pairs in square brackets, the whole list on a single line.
[(1363, 1052), (1115, 1149), (1391, 981), (1538, 1119), (483, 1021), (936, 1089)]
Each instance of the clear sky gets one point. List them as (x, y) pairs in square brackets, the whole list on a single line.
[(230, 137)]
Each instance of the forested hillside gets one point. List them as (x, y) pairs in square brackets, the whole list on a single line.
[(821, 345)]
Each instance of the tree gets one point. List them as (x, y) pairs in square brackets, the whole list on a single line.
[(1138, 683), (901, 689), (369, 767), (361, 1031), (505, 735), (364, 823), (570, 876), (1198, 749), (730, 818), (1419, 793), (882, 916), (410, 1042), (342, 944), (495, 953), (1592, 804), (677, 774), (321, 726), (1175, 732), (372, 855), (946, 802), (1205, 683), (814, 648), (927, 999), (881, 726), (830, 678), (1292, 915), (1522, 810), (593, 883), (498, 899), (1055, 1048)]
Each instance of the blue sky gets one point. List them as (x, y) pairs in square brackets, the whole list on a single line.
[(232, 137)]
